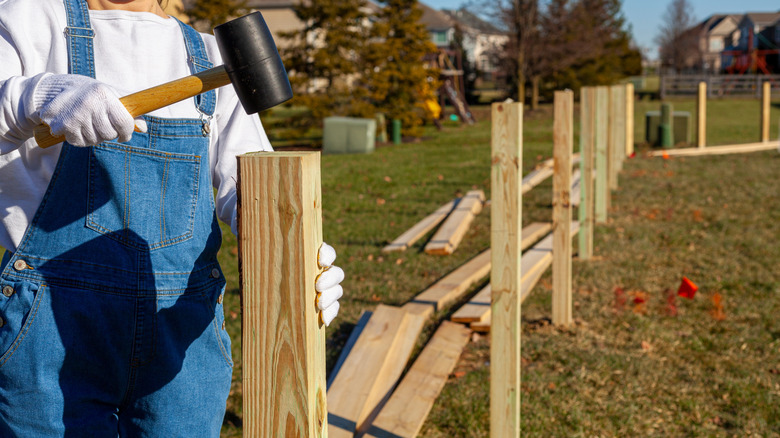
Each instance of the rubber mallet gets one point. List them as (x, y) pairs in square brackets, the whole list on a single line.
[(251, 63)]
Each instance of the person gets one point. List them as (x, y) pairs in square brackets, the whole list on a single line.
[(111, 319)]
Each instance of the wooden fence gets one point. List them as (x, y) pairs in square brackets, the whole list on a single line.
[(718, 85)]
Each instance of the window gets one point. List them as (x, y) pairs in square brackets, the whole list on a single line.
[(440, 38), (716, 45)]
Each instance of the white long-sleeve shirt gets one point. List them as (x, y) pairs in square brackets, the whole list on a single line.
[(133, 51)]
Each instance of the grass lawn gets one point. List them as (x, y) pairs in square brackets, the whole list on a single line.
[(665, 367)]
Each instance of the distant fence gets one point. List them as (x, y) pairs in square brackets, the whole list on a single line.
[(718, 85)]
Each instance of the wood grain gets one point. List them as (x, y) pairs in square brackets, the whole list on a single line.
[(420, 229), (447, 238), (451, 287), (371, 369), (563, 141), (283, 340), (505, 277), (408, 407)]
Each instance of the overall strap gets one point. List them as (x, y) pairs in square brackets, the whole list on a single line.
[(199, 61), (80, 39)]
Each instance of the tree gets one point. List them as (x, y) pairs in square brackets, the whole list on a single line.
[(322, 59), (204, 15), (677, 38), (521, 20), (395, 75)]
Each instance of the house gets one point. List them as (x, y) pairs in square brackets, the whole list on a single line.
[(482, 42), (714, 35), (755, 31), (759, 25), (280, 16)]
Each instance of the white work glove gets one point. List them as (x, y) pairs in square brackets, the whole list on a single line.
[(84, 110), (327, 285)]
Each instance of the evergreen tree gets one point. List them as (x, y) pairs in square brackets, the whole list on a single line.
[(395, 75), (322, 59), (204, 15)]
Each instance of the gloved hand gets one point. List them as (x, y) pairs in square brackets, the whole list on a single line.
[(84, 110), (327, 285)]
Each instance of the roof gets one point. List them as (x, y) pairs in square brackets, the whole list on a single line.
[(472, 21), (763, 19), (435, 20)]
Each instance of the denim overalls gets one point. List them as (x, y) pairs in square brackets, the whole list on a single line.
[(111, 319)]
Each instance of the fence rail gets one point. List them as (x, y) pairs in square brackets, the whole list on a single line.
[(718, 85)]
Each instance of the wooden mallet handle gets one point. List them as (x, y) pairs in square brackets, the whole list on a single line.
[(154, 98)]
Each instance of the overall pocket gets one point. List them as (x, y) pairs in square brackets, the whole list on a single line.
[(18, 310), (143, 198)]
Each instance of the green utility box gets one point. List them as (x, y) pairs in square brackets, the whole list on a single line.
[(348, 135), (681, 127)]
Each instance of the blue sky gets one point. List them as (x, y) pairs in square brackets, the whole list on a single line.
[(645, 15)]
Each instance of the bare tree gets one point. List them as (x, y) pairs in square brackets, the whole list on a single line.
[(520, 19), (677, 37)]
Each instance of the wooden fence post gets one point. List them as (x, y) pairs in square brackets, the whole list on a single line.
[(505, 275), (617, 131), (283, 340), (629, 119), (587, 146), (701, 116), (766, 97), (563, 135), (601, 124)]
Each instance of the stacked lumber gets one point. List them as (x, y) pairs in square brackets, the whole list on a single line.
[(451, 232), (405, 412), (371, 370), (533, 264), (420, 229), (450, 288)]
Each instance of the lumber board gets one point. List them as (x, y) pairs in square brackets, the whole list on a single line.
[(505, 237), (533, 233), (476, 309), (526, 286), (534, 263), (406, 410), (420, 229), (283, 339), (716, 150), (450, 288), (447, 238), (372, 368), (353, 337), (542, 172), (535, 177)]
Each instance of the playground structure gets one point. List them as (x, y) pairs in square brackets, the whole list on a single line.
[(280, 231), (453, 85), (752, 59)]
